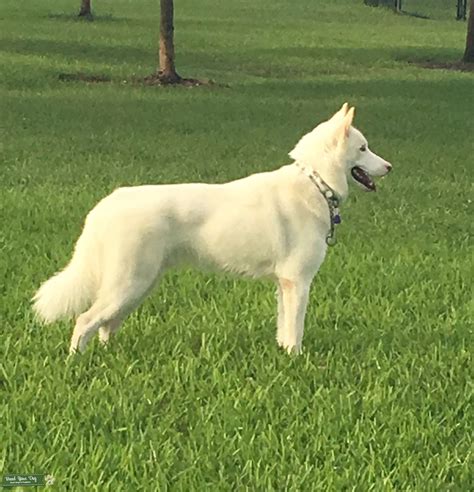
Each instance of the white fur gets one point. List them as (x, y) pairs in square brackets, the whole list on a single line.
[(271, 224)]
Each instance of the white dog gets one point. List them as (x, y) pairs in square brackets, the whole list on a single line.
[(275, 224)]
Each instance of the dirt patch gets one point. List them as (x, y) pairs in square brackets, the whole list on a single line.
[(155, 79), (150, 80), (83, 77), (459, 66)]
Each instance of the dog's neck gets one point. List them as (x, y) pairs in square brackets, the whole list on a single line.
[(332, 173)]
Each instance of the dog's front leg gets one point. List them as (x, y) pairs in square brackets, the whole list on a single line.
[(293, 300)]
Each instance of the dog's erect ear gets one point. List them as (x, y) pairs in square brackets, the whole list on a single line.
[(341, 113), (348, 119), (343, 128)]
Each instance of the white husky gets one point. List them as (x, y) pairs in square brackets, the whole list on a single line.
[(275, 224)]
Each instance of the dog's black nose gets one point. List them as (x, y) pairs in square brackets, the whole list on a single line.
[(388, 167)]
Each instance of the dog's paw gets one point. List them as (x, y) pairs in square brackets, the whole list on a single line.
[(291, 348), (294, 349), (280, 341)]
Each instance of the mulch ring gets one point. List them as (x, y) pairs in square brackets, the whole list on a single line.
[(154, 79), (150, 80)]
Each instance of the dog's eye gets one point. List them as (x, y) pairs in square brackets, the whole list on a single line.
[(363, 148)]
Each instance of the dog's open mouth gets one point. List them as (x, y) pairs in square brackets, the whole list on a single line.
[(363, 178)]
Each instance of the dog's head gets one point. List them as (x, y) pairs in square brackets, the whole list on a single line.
[(335, 143), (360, 161)]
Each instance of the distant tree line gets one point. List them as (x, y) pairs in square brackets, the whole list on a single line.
[(167, 74), (460, 14)]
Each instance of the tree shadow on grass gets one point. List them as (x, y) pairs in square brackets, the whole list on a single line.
[(416, 15), (278, 63), (300, 62), (458, 66), (301, 70), (78, 50)]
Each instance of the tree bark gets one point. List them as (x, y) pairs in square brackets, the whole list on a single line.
[(167, 71), (86, 9), (469, 53)]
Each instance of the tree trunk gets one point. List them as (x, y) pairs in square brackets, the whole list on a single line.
[(167, 71), (469, 53), (86, 11)]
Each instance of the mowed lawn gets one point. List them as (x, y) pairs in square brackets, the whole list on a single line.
[(194, 394)]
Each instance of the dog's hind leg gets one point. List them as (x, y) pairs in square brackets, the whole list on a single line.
[(119, 295), (108, 329), (295, 296), (86, 325), (107, 313)]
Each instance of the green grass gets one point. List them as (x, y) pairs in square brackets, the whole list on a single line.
[(194, 393)]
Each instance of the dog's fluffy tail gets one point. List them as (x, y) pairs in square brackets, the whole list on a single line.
[(69, 292)]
